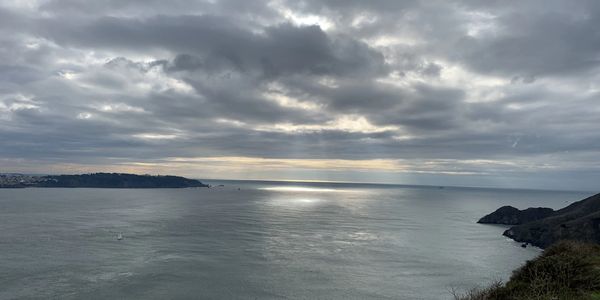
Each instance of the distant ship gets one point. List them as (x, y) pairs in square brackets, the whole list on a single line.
[(119, 236)]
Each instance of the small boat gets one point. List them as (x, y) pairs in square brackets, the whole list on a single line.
[(119, 236)]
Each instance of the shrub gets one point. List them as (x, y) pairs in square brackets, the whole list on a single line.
[(566, 270)]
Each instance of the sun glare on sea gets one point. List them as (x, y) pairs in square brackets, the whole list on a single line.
[(300, 189)]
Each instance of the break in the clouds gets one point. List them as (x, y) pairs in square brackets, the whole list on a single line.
[(471, 92)]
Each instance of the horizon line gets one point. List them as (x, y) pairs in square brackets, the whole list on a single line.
[(325, 181), (398, 184)]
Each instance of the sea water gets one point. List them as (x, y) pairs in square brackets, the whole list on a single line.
[(258, 240)]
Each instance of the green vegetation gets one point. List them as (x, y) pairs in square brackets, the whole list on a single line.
[(565, 271)]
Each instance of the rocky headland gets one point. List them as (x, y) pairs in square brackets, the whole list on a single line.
[(543, 227)]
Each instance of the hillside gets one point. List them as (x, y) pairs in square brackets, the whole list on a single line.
[(565, 271), (579, 221)]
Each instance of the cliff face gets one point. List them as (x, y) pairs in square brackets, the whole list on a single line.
[(579, 221)]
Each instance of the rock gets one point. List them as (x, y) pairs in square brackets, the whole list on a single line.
[(509, 215)]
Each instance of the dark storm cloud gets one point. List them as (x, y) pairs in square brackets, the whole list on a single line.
[(468, 86), (208, 41)]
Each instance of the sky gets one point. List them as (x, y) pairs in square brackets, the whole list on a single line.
[(472, 93)]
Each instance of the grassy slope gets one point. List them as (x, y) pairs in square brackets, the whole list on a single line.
[(566, 270)]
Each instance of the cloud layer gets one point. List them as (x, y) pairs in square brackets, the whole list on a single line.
[(470, 92)]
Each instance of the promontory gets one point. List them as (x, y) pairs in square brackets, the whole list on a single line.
[(97, 180), (543, 227)]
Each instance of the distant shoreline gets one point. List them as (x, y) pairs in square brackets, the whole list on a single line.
[(98, 180)]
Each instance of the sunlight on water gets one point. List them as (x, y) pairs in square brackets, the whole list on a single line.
[(306, 200), (287, 201), (307, 196), (300, 189)]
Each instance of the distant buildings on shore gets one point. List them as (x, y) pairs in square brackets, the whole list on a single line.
[(19, 180)]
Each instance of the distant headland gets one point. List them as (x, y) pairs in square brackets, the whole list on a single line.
[(97, 180)]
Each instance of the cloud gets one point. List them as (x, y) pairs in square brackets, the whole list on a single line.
[(552, 40), (218, 43), (419, 91)]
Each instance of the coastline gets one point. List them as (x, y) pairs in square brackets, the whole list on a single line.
[(98, 180)]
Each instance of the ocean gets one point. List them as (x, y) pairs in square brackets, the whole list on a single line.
[(258, 240)]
